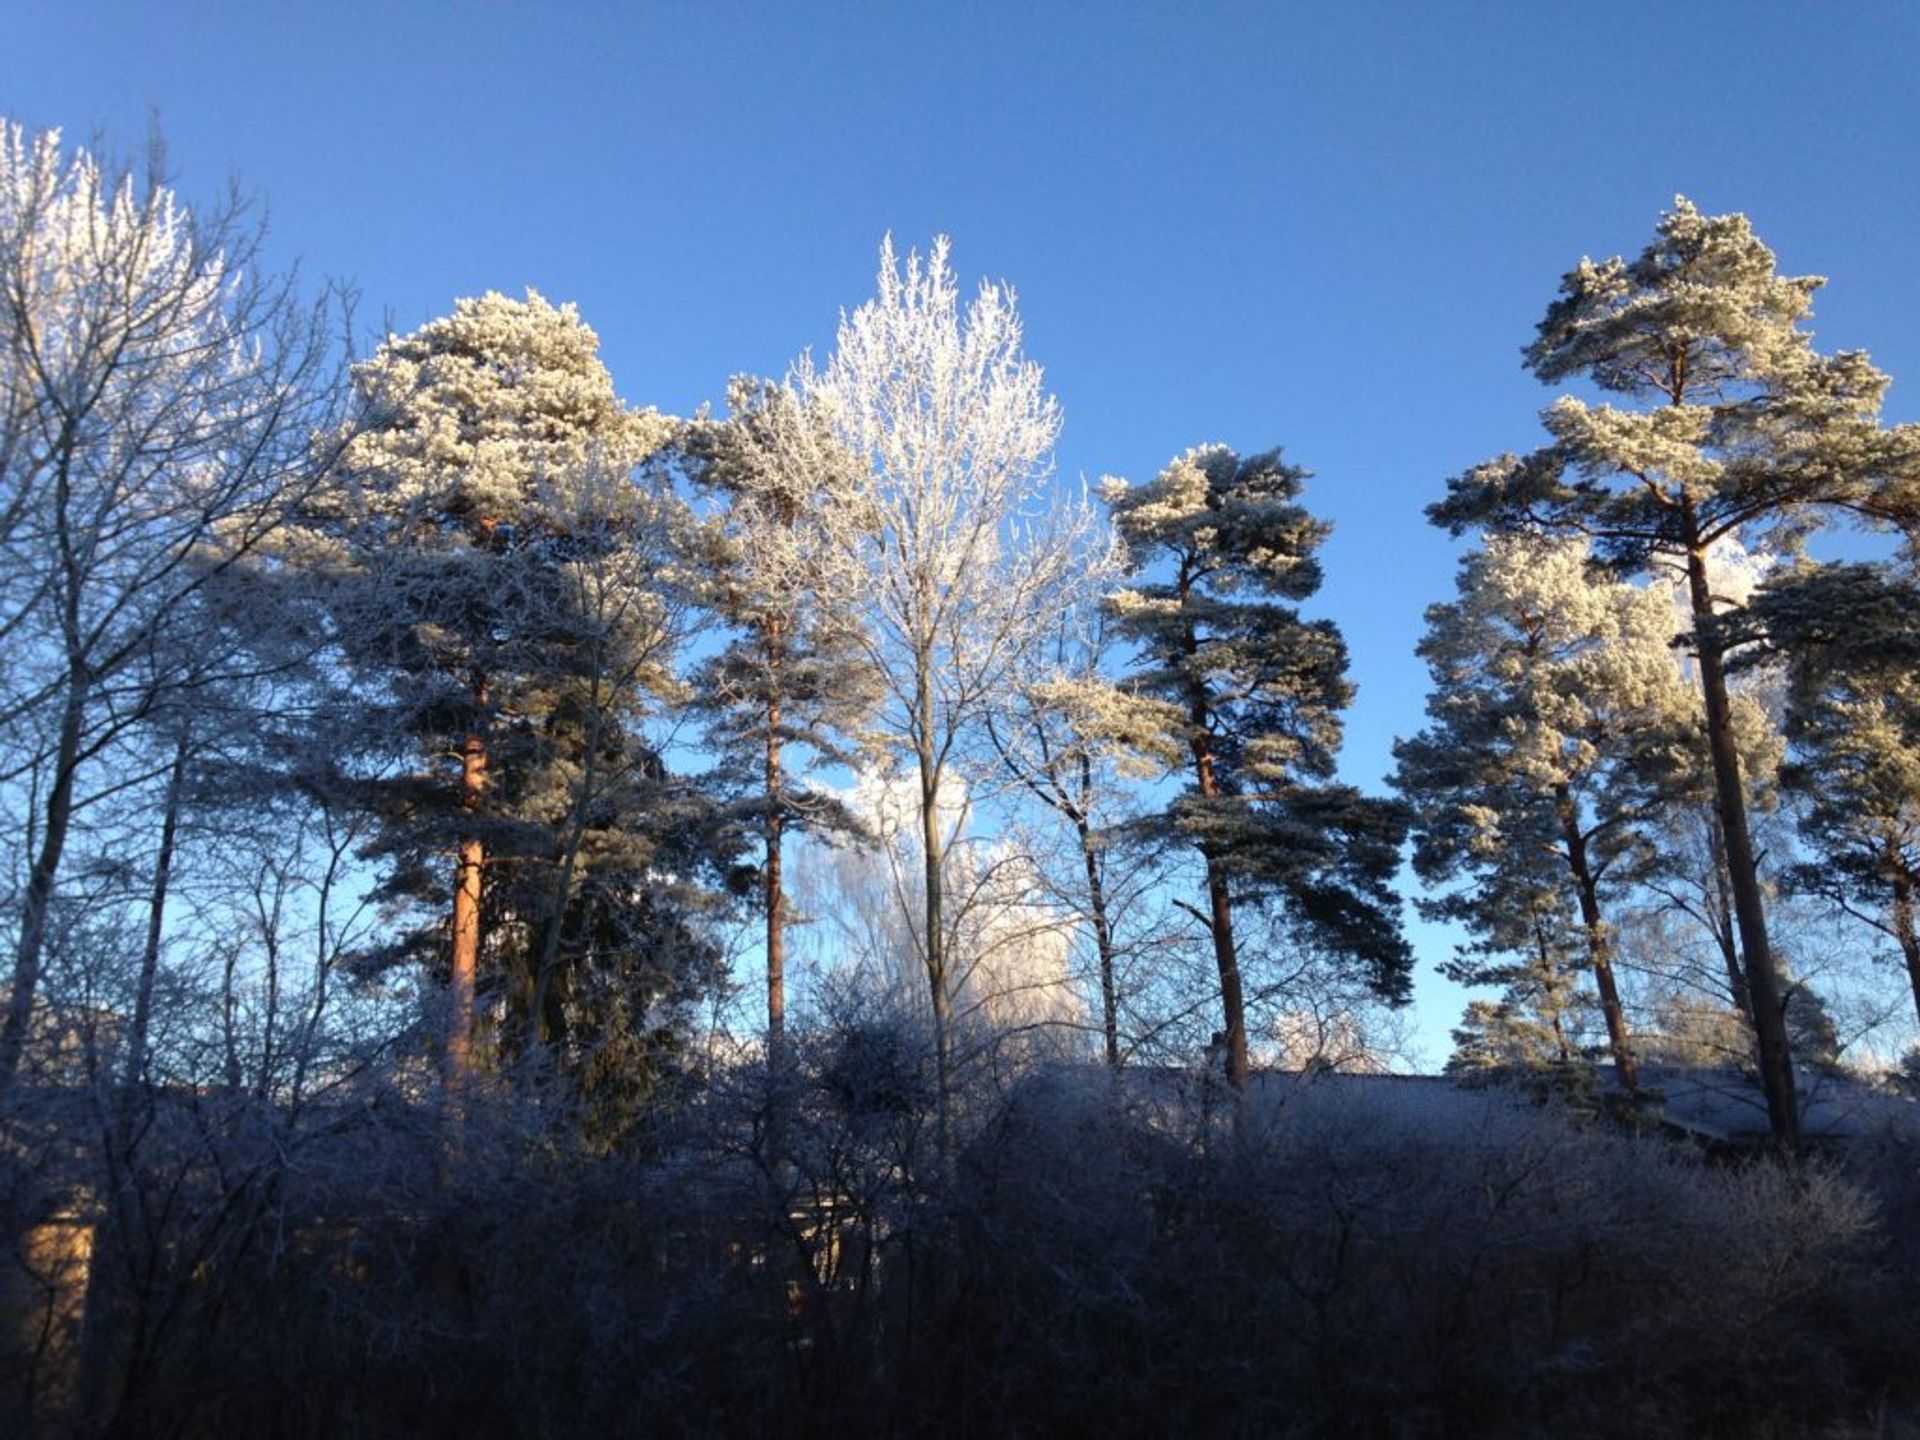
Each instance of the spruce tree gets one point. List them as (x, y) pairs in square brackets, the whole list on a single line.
[(1737, 427), (1219, 555)]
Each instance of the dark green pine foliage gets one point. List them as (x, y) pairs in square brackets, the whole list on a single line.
[(1220, 553), (1850, 635), (1735, 427)]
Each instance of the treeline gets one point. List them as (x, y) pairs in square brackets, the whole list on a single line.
[(405, 758)]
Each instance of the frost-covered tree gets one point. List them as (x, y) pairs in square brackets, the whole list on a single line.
[(1680, 862), (157, 394), (1011, 994), (1550, 682), (1741, 427), (1851, 638), (957, 544), (1073, 740), (491, 573), (792, 688), (1219, 553)]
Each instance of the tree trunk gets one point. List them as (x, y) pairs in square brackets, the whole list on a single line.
[(1723, 920), (38, 904), (1102, 941), (1743, 871), (467, 896), (1599, 950), (105, 1323), (1233, 1007), (1904, 927), (775, 899), (935, 939), (135, 1069)]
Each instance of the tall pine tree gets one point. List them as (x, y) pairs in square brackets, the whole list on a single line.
[(791, 687), (1548, 680), (1219, 555), (1739, 427), (487, 552)]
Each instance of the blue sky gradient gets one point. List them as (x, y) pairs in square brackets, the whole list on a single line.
[(1325, 227)]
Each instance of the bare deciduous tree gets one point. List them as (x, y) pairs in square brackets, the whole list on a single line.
[(157, 395)]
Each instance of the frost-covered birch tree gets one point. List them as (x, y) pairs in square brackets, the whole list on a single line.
[(961, 548), (158, 390), (1740, 427)]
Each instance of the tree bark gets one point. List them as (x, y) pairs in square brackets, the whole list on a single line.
[(135, 1069), (1102, 941), (1723, 933), (1904, 926), (1226, 958), (935, 939), (467, 895), (1743, 871), (38, 904), (775, 899), (1599, 949)]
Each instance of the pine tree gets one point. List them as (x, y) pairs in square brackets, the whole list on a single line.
[(487, 552), (1549, 681), (792, 682), (1851, 637), (1219, 555), (1748, 430)]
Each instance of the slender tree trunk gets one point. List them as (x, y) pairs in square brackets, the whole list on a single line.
[(467, 895), (935, 940), (134, 1071), (38, 904), (1226, 958), (775, 899), (1549, 973), (1599, 949), (544, 1024), (104, 1327), (1233, 1006), (1102, 941), (1904, 926), (1743, 870), (322, 969), (1723, 934)]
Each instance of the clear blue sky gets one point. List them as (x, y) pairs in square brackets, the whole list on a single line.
[(1329, 227)]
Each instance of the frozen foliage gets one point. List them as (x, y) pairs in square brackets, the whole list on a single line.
[(1555, 696), (1744, 430), (962, 555), (1226, 668), (1359, 1256), (157, 395)]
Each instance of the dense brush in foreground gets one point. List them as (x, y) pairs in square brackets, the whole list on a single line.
[(1099, 1258)]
